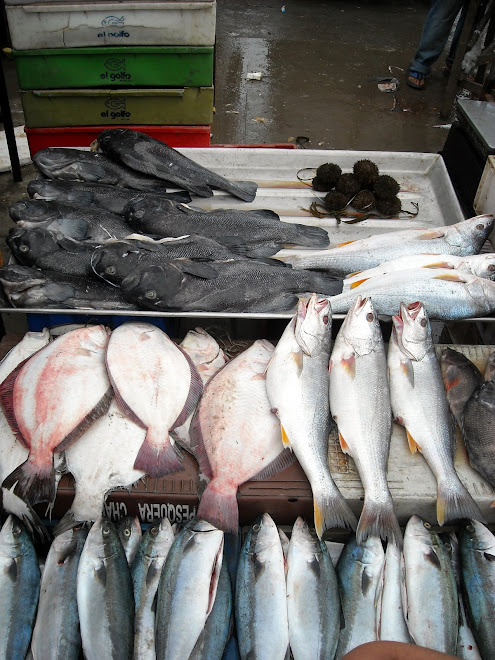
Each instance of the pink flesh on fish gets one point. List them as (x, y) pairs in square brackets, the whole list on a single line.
[(157, 386), (236, 436), (50, 400)]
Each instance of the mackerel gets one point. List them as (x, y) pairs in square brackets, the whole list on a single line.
[(129, 531), (390, 622)]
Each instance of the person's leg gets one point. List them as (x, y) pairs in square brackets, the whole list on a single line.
[(435, 34)]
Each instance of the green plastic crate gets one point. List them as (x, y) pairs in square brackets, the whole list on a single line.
[(189, 106), (165, 66)]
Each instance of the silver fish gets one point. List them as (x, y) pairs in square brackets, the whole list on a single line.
[(462, 239), (419, 403), (313, 601), (19, 586), (146, 570), (56, 635), (187, 589), (390, 622), (105, 598), (360, 405), (359, 571), (429, 589), (261, 596), (297, 387)]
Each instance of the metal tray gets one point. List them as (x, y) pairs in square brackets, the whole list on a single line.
[(423, 178)]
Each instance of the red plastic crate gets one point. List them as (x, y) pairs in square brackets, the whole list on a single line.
[(83, 136)]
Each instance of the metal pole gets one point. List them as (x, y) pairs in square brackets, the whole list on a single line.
[(9, 127)]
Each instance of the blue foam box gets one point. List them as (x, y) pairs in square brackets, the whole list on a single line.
[(36, 322)]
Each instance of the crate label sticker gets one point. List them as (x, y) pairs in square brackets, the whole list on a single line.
[(147, 512), (113, 23), (116, 108), (116, 21), (115, 70)]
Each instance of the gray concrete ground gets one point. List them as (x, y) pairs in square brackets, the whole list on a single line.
[(320, 62)]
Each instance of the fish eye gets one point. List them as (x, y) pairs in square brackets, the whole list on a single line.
[(480, 227), (491, 267), (154, 531), (105, 531), (256, 528), (138, 214), (325, 319), (369, 316), (127, 532), (427, 525), (151, 294), (448, 547), (469, 528), (16, 530), (24, 248), (110, 270), (422, 323)]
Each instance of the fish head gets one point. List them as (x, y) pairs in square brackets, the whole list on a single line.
[(151, 286), (470, 235), (313, 328), (114, 261), (38, 189), (361, 328), (18, 278), (265, 536), (27, 245), (204, 351), (32, 211), (158, 538), (483, 265), (306, 540), (475, 536), (54, 160), (14, 538), (68, 543), (413, 331), (110, 135), (420, 530), (103, 540), (129, 528)]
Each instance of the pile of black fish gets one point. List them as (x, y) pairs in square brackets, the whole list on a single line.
[(194, 592), (75, 246)]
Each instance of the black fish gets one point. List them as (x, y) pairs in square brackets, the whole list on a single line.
[(229, 286), (478, 429), (69, 164), (49, 250), (31, 288), (145, 154), (256, 233), (117, 259), (83, 224), (92, 195)]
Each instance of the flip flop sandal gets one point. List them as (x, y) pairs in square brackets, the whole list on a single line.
[(416, 80)]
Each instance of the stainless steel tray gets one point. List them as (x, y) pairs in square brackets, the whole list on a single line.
[(423, 179)]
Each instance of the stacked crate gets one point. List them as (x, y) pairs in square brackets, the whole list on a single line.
[(144, 65)]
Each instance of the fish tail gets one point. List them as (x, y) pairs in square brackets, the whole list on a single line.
[(455, 503), (245, 190), (314, 237), (219, 507), (32, 483), (331, 510), (157, 458), (379, 519), (67, 522), (324, 284)]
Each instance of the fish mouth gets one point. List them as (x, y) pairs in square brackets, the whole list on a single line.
[(411, 310)]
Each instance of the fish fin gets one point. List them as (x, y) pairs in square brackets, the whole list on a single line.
[(345, 243), (266, 213), (198, 447), (407, 368), (413, 445), (349, 365), (80, 197), (358, 282), (285, 438), (73, 227), (455, 503), (343, 445), (34, 484), (67, 522), (313, 237), (331, 510), (120, 401), (215, 576), (198, 269), (98, 411), (297, 357), (285, 459), (453, 382), (348, 277), (438, 264), (219, 507), (379, 519), (7, 402), (324, 284), (194, 394), (180, 196), (158, 459), (448, 277), (57, 292), (245, 190), (433, 233)]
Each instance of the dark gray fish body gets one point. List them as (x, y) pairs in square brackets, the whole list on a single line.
[(47, 250), (478, 424), (56, 635), (84, 224), (115, 260), (129, 531), (229, 286), (257, 233), (70, 164), (461, 378), (92, 195), (19, 586), (105, 596), (145, 154), (32, 288)]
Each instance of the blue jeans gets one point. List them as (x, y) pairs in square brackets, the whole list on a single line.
[(436, 32)]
